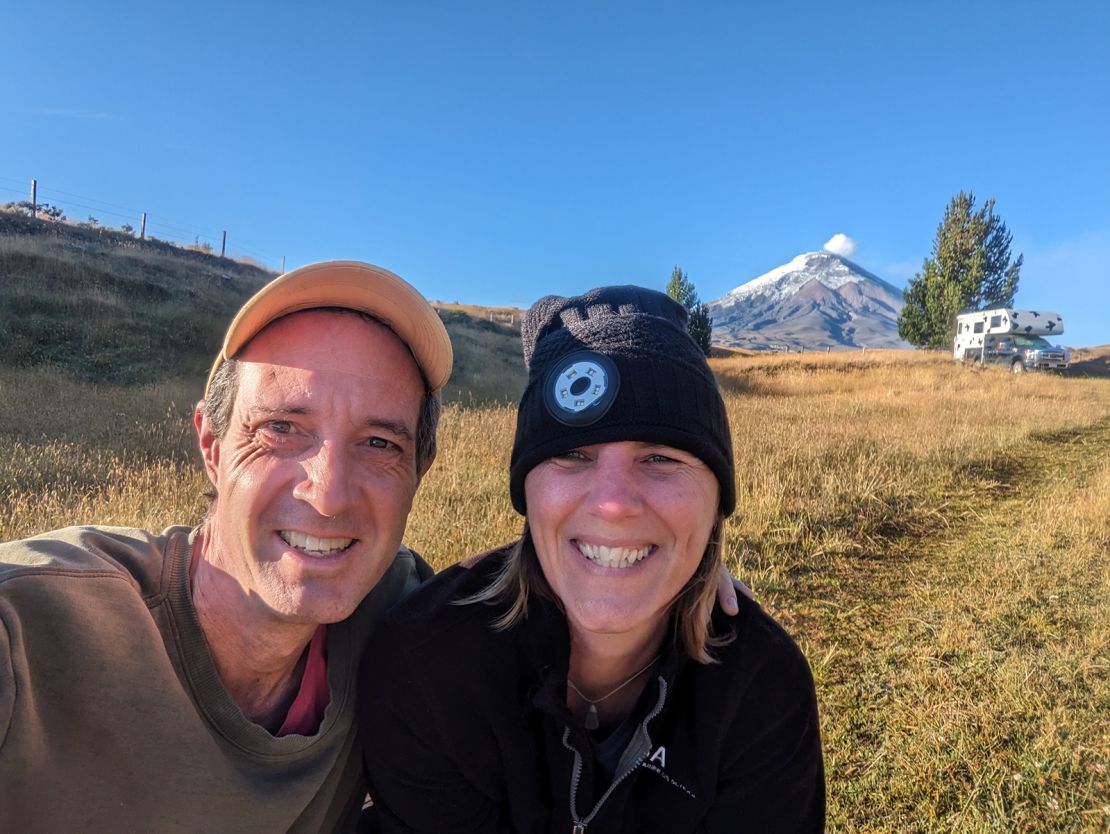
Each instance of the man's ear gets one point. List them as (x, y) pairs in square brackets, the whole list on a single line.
[(208, 442)]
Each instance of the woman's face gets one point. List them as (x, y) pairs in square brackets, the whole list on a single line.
[(619, 528)]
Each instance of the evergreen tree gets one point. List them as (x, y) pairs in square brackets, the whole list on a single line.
[(681, 289), (700, 327), (970, 268), (698, 323)]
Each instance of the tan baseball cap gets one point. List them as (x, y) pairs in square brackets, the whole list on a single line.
[(355, 286)]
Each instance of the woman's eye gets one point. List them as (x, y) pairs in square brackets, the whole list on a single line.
[(573, 454)]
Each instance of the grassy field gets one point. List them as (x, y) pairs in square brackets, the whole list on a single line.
[(936, 537)]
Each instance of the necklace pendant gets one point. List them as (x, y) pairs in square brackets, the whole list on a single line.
[(591, 722)]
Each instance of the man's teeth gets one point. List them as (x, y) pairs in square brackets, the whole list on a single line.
[(313, 544), (613, 557)]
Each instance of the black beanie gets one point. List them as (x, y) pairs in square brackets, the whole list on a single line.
[(617, 364)]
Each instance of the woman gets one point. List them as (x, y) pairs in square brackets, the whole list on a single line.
[(580, 679)]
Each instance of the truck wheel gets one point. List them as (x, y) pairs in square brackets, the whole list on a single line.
[(1018, 367)]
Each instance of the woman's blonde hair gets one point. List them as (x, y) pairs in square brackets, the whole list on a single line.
[(691, 610)]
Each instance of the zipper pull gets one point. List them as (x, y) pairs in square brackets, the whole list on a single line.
[(579, 828)]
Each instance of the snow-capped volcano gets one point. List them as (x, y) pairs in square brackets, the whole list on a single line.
[(815, 301)]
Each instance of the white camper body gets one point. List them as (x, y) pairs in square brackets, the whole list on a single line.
[(1005, 336)]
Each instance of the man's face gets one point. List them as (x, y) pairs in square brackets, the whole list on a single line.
[(316, 473)]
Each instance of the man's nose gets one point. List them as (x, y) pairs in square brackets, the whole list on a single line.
[(327, 486)]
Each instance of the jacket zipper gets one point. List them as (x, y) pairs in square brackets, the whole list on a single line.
[(579, 825)]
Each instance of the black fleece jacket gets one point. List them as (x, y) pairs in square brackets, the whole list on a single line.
[(465, 729)]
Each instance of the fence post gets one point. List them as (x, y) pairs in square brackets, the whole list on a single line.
[(142, 227), (282, 264), (34, 198), (223, 243)]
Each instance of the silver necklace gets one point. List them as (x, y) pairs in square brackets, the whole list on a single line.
[(591, 722)]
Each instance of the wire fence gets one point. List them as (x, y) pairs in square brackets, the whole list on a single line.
[(67, 207)]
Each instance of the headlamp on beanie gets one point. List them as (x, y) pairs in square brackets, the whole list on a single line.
[(581, 388)]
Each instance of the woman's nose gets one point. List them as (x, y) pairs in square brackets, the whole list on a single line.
[(614, 489)]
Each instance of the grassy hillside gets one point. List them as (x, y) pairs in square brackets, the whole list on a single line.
[(489, 365), (105, 307), (1092, 361)]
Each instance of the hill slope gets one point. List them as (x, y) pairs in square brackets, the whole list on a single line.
[(107, 307), (102, 306)]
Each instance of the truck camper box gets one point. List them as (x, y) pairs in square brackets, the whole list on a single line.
[(1004, 320)]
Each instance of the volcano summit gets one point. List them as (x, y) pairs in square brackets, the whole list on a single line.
[(819, 300)]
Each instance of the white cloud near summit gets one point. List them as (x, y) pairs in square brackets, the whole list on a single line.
[(841, 244)]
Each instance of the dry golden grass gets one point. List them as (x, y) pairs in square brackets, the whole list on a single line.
[(935, 536), (75, 453)]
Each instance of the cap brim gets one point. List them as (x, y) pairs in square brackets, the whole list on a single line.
[(353, 286)]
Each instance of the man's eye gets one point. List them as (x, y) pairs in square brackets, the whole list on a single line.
[(280, 426), (659, 459), (380, 443)]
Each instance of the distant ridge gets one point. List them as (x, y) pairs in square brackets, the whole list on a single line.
[(816, 301)]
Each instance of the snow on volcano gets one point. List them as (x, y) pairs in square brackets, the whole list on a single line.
[(816, 301)]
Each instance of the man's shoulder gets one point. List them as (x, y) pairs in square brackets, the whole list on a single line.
[(90, 552)]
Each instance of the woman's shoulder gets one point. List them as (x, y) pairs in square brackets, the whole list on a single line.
[(439, 606), (761, 653), (435, 641)]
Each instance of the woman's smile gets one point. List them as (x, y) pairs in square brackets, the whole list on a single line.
[(613, 557)]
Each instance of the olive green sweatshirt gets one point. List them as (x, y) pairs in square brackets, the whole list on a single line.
[(112, 716)]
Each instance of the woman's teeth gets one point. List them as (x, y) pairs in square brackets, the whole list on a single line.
[(313, 545), (613, 557)]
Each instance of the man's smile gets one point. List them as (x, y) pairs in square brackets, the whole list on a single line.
[(314, 545)]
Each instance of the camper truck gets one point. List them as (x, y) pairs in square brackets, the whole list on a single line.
[(1012, 338)]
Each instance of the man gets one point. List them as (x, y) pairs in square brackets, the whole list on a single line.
[(204, 679)]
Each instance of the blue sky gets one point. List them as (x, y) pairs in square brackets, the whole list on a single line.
[(493, 152)]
